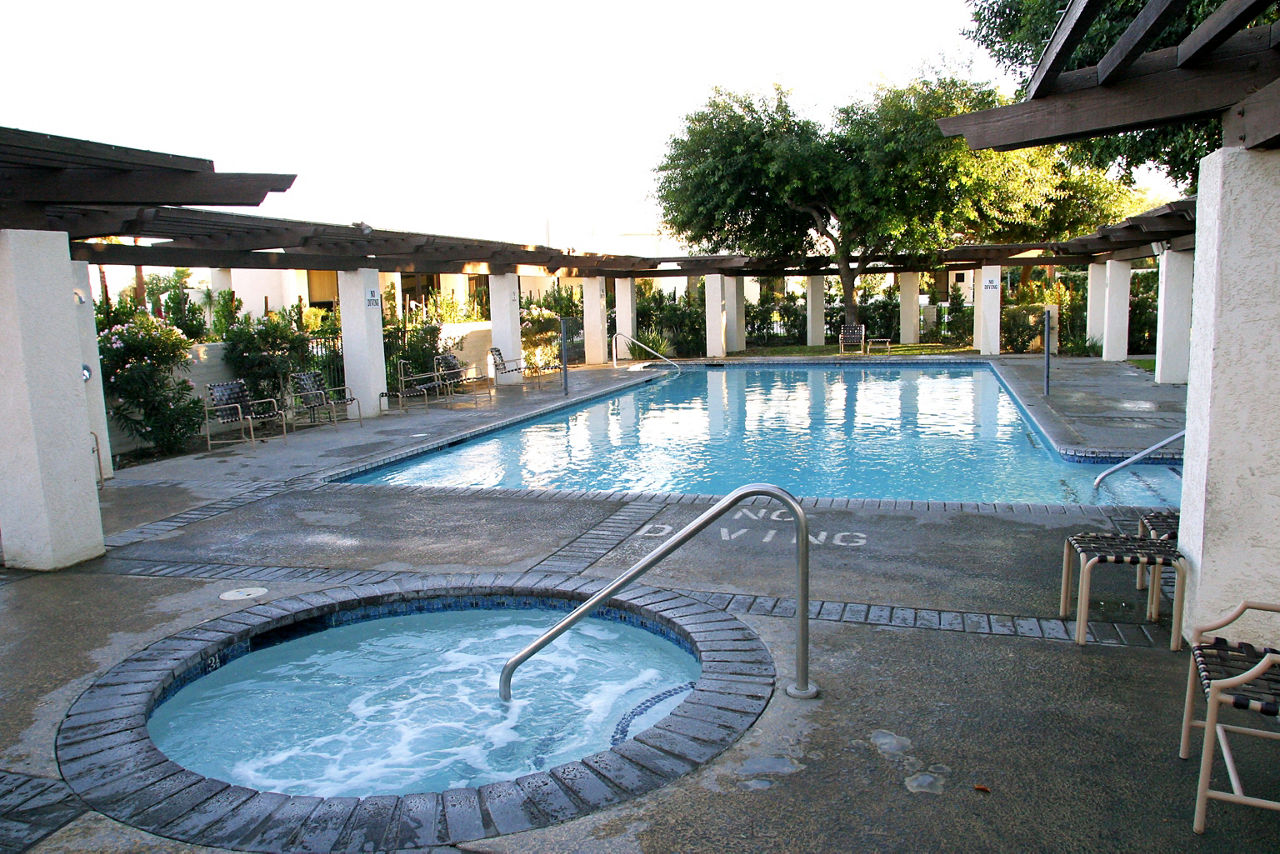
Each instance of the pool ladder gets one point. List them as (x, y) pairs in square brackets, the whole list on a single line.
[(643, 346), (1126, 463), (802, 689)]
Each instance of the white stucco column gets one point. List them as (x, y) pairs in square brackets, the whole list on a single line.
[(1173, 316), (95, 400), (735, 315), (1231, 471), (1115, 332), (595, 321), (504, 311), (363, 358), (909, 297), (624, 306), (717, 332), (988, 294), (815, 305), (1096, 302), (49, 502)]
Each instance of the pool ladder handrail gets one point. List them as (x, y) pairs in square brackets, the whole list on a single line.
[(618, 335), (802, 689), (1126, 463)]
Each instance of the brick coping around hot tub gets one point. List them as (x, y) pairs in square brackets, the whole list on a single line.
[(106, 755)]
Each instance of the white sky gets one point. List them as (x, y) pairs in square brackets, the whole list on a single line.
[(506, 121)]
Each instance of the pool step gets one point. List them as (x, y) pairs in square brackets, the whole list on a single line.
[(602, 539)]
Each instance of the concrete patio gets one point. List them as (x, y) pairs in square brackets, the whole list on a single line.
[(935, 639)]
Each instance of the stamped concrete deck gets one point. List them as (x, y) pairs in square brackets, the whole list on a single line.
[(953, 714)]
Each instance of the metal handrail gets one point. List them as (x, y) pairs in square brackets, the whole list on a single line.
[(802, 688), (1157, 446), (618, 335)]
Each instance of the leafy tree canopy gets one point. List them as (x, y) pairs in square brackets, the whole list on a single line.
[(1016, 32), (748, 175)]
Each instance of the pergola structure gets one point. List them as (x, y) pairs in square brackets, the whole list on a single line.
[(58, 195), (1227, 69)]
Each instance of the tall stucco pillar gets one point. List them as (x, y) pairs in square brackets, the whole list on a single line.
[(909, 298), (1115, 332), (988, 294), (815, 306), (595, 321), (1173, 316), (624, 306), (1096, 302), (363, 358), (735, 315), (1231, 471), (95, 400), (49, 502), (716, 320), (504, 311)]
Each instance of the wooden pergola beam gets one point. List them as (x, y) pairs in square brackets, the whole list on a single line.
[(1156, 93), (1068, 33), (27, 148), (1255, 121), (1228, 18), (1152, 20), (138, 186)]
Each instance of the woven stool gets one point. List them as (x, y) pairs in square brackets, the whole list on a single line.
[(1239, 675), (1159, 526), (1143, 552)]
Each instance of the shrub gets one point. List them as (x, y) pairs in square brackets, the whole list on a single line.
[(147, 400), (264, 352), (107, 314), (416, 343), (655, 340), (1019, 326), (226, 311), (185, 314), (539, 337), (682, 320)]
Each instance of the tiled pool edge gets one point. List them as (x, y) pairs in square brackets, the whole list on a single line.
[(107, 757)]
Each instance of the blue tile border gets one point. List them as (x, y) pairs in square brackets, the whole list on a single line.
[(107, 758)]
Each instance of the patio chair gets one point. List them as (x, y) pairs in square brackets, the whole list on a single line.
[(1158, 526), (411, 384), (311, 395), (1234, 674), (453, 373), (229, 403), (854, 336), (1147, 554), (512, 366)]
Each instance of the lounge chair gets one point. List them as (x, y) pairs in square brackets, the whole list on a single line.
[(1148, 555), (854, 336), (411, 384), (512, 366), (451, 370), (1234, 674), (229, 403), (311, 396)]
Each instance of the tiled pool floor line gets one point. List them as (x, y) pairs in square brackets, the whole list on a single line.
[(946, 666)]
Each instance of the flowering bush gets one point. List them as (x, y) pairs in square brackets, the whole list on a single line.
[(147, 400), (539, 337)]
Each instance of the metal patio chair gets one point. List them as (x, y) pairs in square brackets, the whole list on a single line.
[(229, 403), (416, 385), (1235, 674), (512, 366), (451, 370), (310, 395)]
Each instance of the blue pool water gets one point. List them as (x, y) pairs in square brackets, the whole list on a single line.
[(410, 704), (918, 433)]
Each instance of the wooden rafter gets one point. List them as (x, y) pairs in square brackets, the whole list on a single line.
[(1146, 28), (1071, 28), (138, 186), (1255, 121), (1226, 20)]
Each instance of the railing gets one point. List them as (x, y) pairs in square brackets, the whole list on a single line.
[(618, 335), (802, 689), (1126, 463)]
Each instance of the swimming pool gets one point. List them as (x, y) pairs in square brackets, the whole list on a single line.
[(942, 433)]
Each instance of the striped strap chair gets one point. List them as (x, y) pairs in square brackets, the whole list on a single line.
[(229, 403), (1147, 554), (1242, 676), (854, 336), (310, 395)]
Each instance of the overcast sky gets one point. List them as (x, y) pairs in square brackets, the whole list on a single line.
[(509, 121)]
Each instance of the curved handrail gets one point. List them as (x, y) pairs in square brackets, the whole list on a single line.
[(802, 688), (1157, 446), (618, 335)]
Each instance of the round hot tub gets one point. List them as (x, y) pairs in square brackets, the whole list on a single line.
[(369, 716)]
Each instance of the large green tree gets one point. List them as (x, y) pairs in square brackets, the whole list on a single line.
[(748, 175), (1016, 32)]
